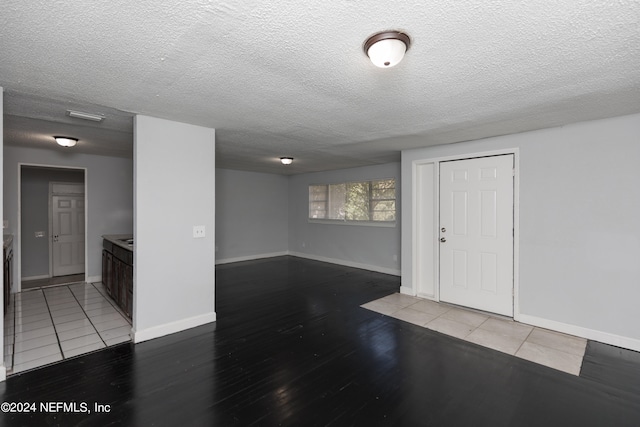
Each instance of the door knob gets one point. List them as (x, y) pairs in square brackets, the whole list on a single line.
[(442, 239), (444, 230)]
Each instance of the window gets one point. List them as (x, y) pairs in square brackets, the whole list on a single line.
[(372, 201)]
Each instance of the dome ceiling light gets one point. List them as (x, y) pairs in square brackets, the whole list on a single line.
[(66, 141), (387, 48), (286, 160)]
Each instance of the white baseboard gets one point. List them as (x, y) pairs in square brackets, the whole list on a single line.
[(579, 331), (313, 257), (94, 279), (250, 257), (40, 277), (369, 267), (172, 327), (3, 373)]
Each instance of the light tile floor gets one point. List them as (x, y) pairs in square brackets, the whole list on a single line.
[(553, 349), (47, 325)]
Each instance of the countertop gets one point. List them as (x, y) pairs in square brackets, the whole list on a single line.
[(7, 240), (117, 239)]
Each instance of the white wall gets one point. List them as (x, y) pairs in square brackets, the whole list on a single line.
[(371, 247), (252, 215), (579, 225), (109, 196), (174, 174)]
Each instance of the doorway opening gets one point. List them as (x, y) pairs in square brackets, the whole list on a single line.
[(52, 226)]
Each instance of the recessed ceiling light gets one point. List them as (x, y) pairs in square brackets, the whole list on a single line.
[(387, 48), (85, 116), (66, 141), (286, 160)]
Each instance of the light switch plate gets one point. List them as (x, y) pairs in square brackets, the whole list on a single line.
[(198, 231), (39, 233)]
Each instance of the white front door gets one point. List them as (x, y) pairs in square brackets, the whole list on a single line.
[(476, 233), (68, 235)]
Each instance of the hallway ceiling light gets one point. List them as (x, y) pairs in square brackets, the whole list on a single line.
[(387, 48), (85, 116), (286, 160), (66, 141)]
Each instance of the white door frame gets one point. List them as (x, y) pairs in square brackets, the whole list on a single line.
[(71, 186), (17, 251), (425, 262)]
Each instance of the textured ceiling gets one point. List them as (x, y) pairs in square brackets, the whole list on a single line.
[(282, 78)]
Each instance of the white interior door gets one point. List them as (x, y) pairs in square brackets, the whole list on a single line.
[(68, 234), (476, 234)]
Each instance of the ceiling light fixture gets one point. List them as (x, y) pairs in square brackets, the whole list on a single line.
[(66, 141), (85, 116), (387, 48), (286, 160)]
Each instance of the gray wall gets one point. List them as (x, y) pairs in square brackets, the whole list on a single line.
[(372, 247), (35, 215), (579, 221), (109, 193), (174, 280), (252, 214)]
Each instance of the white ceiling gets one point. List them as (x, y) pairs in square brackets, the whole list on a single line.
[(289, 78)]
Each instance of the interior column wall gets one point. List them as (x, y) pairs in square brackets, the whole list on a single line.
[(174, 174)]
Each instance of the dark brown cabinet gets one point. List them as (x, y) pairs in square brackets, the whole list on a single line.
[(117, 275)]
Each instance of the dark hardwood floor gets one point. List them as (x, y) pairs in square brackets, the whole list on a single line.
[(292, 347)]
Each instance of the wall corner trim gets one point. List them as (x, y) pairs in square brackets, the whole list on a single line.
[(172, 327), (579, 331), (3, 373), (94, 279)]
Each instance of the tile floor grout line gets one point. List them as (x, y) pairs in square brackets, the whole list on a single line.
[(472, 331), (87, 316), (55, 330), (108, 298), (485, 321), (118, 310), (51, 318), (525, 340)]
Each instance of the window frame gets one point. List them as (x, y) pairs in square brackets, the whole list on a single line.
[(367, 223)]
